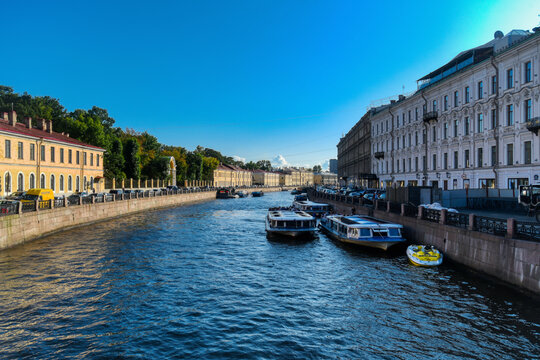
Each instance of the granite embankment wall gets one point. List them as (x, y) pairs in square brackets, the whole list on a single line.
[(513, 261), (19, 228)]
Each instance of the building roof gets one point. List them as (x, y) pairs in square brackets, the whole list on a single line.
[(22, 129)]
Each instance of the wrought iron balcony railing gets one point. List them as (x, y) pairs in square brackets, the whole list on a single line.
[(431, 115), (533, 125)]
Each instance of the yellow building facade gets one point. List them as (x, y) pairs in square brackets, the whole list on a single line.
[(229, 175), (33, 156), (266, 178)]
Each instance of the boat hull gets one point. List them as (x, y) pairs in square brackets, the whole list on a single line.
[(377, 244), (423, 262), (289, 232)]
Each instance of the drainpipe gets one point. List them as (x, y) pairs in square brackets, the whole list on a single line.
[(425, 164), (496, 130), (39, 143)]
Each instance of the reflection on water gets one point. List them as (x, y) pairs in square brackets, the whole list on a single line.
[(204, 282)]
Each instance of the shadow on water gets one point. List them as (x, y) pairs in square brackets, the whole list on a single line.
[(293, 241)]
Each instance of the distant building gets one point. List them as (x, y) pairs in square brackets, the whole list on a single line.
[(326, 178), (266, 178), (333, 164), (34, 156), (230, 175)]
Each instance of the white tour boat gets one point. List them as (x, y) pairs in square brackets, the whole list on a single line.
[(362, 230), (288, 222), (312, 208)]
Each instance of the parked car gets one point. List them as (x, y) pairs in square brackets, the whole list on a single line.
[(17, 195), (116, 191), (369, 197)]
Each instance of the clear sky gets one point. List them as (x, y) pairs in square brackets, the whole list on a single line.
[(253, 79)]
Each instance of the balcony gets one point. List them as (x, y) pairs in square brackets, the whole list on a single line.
[(431, 115), (379, 155), (533, 125)]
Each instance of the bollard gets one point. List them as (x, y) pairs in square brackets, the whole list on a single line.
[(19, 207), (442, 219), (387, 206), (511, 228), (80, 200), (36, 205), (402, 210), (420, 212), (471, 222), (66, 202), (52, 204)]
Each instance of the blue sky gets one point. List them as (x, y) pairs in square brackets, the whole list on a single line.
[(253, 79)]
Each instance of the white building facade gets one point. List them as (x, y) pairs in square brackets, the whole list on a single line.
[(473, 123)]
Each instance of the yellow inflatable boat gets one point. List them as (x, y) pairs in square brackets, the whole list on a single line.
[(424, 255)]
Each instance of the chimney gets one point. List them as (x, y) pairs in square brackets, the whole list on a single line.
[(401, 97), (12, 115), (5, 116), (28, 122), (41, 124), (67, 134), (49, 126)]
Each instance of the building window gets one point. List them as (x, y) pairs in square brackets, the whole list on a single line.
[(7, 182), (486, 183), (70, 156), (410, 142), (416, 137), (445, 102), (416, 113), (456, 159), (7, 150), (480, 89), (493, 155), (52, 183), (466, 159), (434, 162), (20, 182), (20, 152), (456, 125), (480, 123), (32, 152), (62, 155), (480, 157), (434, 105), (403, 142), (410, 168), (434, 134), (91, 159), (509, 78), (77, 158), (32, 181), (510, 154), (77, 183), (416, 163), (424, 137), (397, 120), (527, 110), (43, 184), (424, 163), (42, 152), (515, 183), (61, 183), (527, 152), (510, 115), (445, 161), (466, 126), (494, 84), (70, 183), (467, 95), (403, 163), (52, 153), (456, 98), (409, 116), (85, 184), (494, 120), (84, 157), (528, 75)]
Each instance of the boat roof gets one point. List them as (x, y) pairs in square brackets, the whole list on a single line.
[(289, 215), (363, 221), (311, 203)]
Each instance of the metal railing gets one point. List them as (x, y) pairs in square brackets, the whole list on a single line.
[(528, 230), (490, 225), (431, 215), (457, 219), (28, 206), (9, 209), (410, 210), (73, 200), (87, 200), (44, 204)]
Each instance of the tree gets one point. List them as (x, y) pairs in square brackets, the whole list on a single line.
[(158, 167), (132, 166), (194, 162), (317, 168), (209, 165), (113, 161), (264, 165)]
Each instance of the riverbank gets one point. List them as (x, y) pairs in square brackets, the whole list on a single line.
[(27, 226), (515, 262)]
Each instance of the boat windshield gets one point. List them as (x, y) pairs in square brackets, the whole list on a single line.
[(393, 232)]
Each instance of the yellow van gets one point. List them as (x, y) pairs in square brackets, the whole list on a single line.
[(38, 194)]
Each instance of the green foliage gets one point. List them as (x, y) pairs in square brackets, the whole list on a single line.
[(209, 165), (113, 161), (317, 168), (132, 159), (195, 165)]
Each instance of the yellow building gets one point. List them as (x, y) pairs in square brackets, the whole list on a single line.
[(285, 179), (33, 156), (298, 177), (266, 178), (230, 175), (325, 179)]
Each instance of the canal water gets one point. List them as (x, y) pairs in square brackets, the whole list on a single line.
[(202, 281)]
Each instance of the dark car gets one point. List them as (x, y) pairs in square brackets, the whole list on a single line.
[(116, 191)]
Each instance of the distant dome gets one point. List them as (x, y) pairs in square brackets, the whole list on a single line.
[(498, 34)]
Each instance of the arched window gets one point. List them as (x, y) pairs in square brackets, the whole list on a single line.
[(20, 182), (42, 184), (32, 181), (7, 182), (52, 182), (91, 182), (85, 185), (70, 183), (61, 183), (77, 183)]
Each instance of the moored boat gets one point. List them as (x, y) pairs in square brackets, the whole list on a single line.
[(312, 208), (257, 193), (288, 222), (295, 192), (424, 255), (362, 230), (225, 193), (242, 194)]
